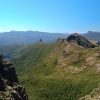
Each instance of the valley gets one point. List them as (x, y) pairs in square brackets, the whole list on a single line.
[(49, 49), (67, 69)]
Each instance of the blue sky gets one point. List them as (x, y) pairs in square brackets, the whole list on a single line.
[(50, 15)]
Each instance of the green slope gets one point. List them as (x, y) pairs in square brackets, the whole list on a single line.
[(13, 50), (32, 56), (58, 71)]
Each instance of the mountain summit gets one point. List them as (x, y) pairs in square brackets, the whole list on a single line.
[(76, 38)]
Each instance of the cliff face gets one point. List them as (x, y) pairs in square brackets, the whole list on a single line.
[(9, 85)]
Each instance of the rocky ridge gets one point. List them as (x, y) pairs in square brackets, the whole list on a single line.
[(80, 40), (75, 54), (75, 65), (10, 89)]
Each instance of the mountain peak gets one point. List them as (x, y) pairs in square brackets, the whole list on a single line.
[(75, 34), (80, 40)]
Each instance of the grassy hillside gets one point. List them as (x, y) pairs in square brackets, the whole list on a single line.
[(58, 71), (30, 57), (94, 95), (13, 50)]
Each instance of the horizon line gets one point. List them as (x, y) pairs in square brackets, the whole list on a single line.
[(44, 31)]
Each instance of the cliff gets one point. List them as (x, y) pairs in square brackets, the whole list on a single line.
[(10, 89)]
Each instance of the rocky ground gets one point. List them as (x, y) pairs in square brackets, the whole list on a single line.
[(10, 89)]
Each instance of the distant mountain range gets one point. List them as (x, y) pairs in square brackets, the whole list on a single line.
[(31, 37), (26, 37), (91, 35)]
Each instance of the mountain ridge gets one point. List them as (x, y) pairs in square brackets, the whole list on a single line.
[(59, 71), (26, 37), (80, 40), (67, 72), (31, 37), (92, 35)]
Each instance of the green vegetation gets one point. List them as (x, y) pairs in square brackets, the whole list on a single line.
[(32, 56), (13, 50), (58, 72), (42, 86)]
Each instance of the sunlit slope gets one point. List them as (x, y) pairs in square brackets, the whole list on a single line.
[(60, 71), (13, 50), (68, 73), (31, 56), (94, 95)]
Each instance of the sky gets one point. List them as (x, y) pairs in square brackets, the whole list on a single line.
[(64, 16)]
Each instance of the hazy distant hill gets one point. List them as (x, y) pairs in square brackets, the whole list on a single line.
[(26, 37), (92, 35)]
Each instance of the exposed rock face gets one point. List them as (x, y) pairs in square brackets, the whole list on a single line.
[(76, 38), (9, 85), (98, 43)]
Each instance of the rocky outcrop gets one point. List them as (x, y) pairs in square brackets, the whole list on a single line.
[(9, 85), (94, 95), (76, 38)]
